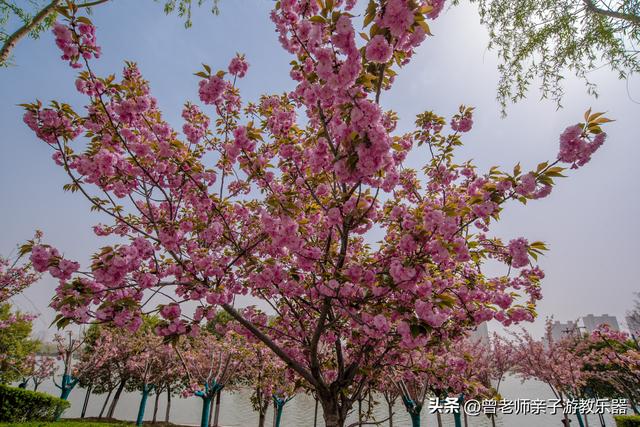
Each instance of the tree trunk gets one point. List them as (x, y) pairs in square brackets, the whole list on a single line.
[(457, 419), (212, 410), (146, 389), (263, 406), (104, 405), (167, 413), (439, 418), (493, 420), (277, 415), (315, 414), (360, 412), (116, 397), (14, 38), (155, 406), (86, 402), (390, 408), (206, 408), (332, 413), (216, 416), (634, 405)]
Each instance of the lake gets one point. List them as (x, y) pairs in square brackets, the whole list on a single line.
[(236, 410)]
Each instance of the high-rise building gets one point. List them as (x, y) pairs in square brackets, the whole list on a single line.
[(481, 333), (591, 322), (561, 330)]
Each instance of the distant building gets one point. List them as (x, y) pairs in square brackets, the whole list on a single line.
[(560, 330), (591, 322), (481, 333), (634, 325)]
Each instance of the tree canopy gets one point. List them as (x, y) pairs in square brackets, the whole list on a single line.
[(22, 18), (544, 40)]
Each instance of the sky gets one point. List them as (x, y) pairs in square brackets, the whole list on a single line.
[(590, 221)]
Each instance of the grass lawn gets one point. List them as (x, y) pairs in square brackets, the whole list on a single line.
[(87, 422), (71, 423)]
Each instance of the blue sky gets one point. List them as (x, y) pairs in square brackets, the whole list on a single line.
[(590, 221)]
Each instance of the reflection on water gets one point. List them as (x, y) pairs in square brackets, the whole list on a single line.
[(236, 410)]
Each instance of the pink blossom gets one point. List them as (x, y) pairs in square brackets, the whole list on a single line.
[(518, 250), (238, 66), (378, 50), (210, 89), (398, 17)]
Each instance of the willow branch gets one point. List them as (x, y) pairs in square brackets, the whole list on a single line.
[(14, 38)]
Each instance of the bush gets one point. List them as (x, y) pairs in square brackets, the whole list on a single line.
[(628, 420), (17, 405), (68, 423)]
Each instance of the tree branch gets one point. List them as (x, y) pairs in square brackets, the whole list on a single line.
[(92, 3), (591, 7), (14, 38), (272, 345)]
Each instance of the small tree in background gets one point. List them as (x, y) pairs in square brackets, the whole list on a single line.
[(17, 348), (554, 362)]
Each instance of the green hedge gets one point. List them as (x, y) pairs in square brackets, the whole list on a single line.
[(17, 405), (628, 420), (66, 423)]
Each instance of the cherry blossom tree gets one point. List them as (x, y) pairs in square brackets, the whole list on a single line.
[(67, 348), (144, 367), (258, 201), (390, 392), (116, 349), (93, 367), (553, 362), (43, 369), (168, 378), (210, 363), (16, 277), (613, 359), (36, 16), (261, 374), (501, 361)]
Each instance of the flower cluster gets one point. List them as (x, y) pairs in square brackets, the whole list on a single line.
[(576, 148), (76, 40), (238, 66), (46, 258), (15, 278)]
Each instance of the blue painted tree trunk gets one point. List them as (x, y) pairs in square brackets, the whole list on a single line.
[(457, 419), (207, 397), (579, 419), (414, 410), (146, 389), (206, 408), (278, 404), (68, 383)]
